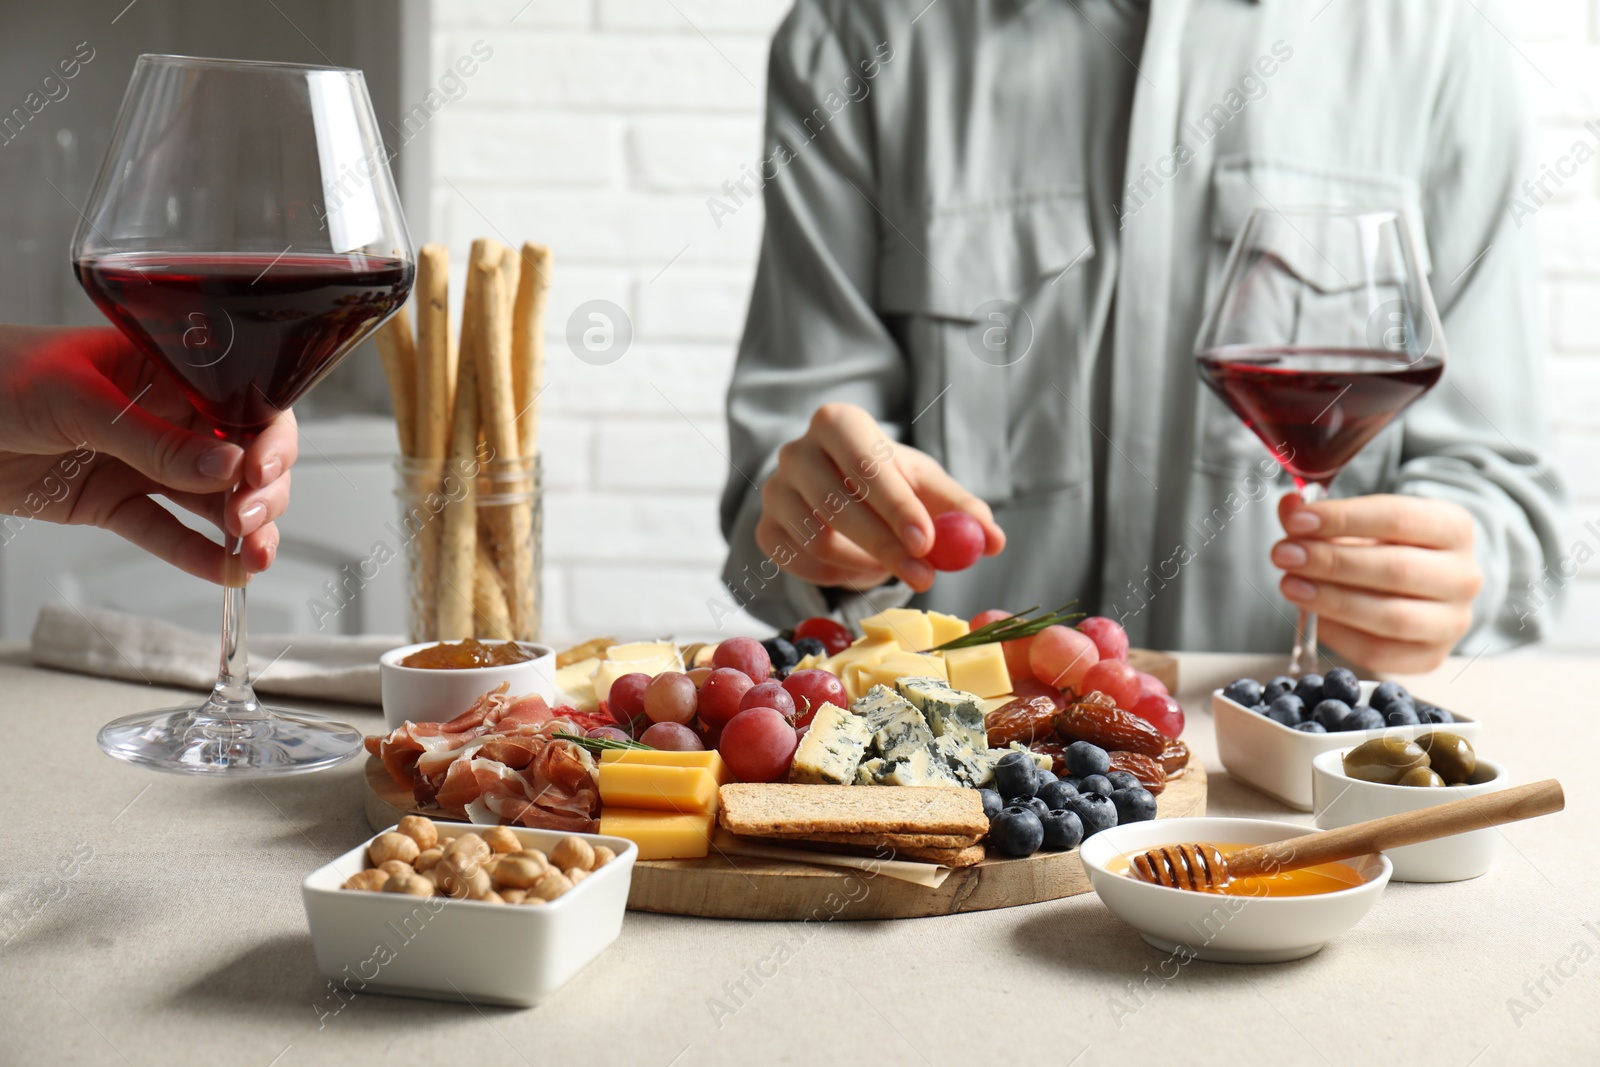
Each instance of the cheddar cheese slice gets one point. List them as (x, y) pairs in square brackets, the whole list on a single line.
[(635, 785), (661, 835), (709, 760)]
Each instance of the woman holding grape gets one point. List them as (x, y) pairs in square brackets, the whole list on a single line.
[(981, 282)]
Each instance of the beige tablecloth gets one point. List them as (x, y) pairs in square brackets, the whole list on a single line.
[(178, 937)]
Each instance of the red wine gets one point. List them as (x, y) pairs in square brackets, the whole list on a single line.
[(245, 334), (1315, 408)]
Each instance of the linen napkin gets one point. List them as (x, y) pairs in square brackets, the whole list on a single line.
[(113, 644)]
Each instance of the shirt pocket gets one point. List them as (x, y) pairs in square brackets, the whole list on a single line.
[(1239, 184), (990, 296)]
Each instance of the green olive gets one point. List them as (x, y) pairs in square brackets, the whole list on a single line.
[(1451, 755), (1423, 776), (1384, 760)]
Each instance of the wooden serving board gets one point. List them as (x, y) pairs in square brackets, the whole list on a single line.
[(743, 887)]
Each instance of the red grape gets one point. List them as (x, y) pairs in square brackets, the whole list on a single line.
[(744, 654), (671, 737), (769, 695), (834, 635), (1032, 687), (812, 688), (1017, 665), (758, 745), (1149, 683), (720, 696), (1108, 636), (699, 675), (1162, 712), (609, 733), (958, 541), (670, 697), (1060, 656), (984, 618), (1115, 679), (626, 698)]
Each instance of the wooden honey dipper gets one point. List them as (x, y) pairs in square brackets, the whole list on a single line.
[(1201, 867)]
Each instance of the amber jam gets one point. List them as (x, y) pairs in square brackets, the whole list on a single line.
[(1320, 878), (466, 654)]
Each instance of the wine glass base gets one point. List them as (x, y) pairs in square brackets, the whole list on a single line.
[(190, 740)]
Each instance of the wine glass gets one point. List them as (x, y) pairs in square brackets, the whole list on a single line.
[(245, 234), (1323, 332)]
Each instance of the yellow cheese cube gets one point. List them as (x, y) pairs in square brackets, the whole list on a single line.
[(661, 835), (611, 669), (979, 670), (710, 760), (577, 681), (996, 703), (908, 627), (658, 788), (904, 665), (946, 628)]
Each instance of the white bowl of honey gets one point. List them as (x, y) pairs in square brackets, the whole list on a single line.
[(1269, 919)]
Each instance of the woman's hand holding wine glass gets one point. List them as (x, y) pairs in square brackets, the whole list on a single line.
[(91, 432)]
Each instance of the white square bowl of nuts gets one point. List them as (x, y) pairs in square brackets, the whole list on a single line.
[(491, 914)]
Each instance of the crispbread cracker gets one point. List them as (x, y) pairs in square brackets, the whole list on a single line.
[(767, 809), (945, 857), (956, 841)]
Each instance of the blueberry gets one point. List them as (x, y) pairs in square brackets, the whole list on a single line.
[(1063, 830), (991, 803), (782, 653), (809, 646), (1433, 713), (1096, 783), (1362, 717), (1095, 810), (1043, 778), (1135, 804), (1074, 781), (1013, 776), (1246, 691), (1287, 709), (1311, 726), (1276, 688), (1341, 684), (1386, 693), (1084, 759), (1016, 832), (1401, 713), (1123, 780), (1034, 804), (1309, 689), (1055, 794), (1261, 709), (1330, 713)]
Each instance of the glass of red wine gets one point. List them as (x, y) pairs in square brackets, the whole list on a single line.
[(1323, 332), (245, 234)]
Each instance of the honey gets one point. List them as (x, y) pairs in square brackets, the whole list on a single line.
[(1319, 878), (464, 655)]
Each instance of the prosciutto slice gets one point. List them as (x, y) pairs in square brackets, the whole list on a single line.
[(500, 761)]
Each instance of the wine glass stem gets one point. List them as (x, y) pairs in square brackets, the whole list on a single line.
[(232, 697), (1303, 660)]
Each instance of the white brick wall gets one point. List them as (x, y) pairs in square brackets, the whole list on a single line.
[(600, 127)]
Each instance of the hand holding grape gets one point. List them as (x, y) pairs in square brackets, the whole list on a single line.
[(878, 500)]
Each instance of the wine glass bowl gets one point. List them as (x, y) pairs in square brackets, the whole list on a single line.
[(1322, 333), (244, 234)]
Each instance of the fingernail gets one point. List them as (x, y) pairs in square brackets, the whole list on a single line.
[(1289, 554), (915, 539), (918, 573), (271, 467), (272, 552), (217, 462), (1298, 589), (252, 513), (1303, 522)]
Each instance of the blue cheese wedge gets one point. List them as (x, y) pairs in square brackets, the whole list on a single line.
[(918, 766), (968, 765), (948, 710), (867, 773), (879, 705), (832, 748)]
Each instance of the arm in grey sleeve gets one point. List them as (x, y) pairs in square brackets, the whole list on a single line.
[(811, 335), (1480, 438)]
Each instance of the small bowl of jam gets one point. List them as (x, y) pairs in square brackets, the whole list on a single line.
[(1270, 919), (437, 680)]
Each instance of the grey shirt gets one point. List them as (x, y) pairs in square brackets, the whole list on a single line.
[(930, 167)]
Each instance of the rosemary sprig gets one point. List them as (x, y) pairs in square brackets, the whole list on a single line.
[(603, 744), (1017, 626)]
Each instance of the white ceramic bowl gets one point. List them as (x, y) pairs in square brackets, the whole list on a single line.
[(1276, 759), (417, 694), (1225, 929), (449, 949), (1340, 800)]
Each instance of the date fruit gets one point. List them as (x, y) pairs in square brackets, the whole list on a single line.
[(1151, 774), (1174, 757), (1109, 727), (1025, 719)]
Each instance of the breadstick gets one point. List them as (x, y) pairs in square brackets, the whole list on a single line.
[(435, 380), (527, 355), (398, 352), (489, 598), (459, 550)]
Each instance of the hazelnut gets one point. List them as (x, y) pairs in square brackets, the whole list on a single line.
[(501, 839), (602, 856), (370, 880), (392, 846), (426, 859), (573, 852), (413, 884), (421, 830)]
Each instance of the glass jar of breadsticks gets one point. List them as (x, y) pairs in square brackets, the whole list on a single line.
[(467, 415)]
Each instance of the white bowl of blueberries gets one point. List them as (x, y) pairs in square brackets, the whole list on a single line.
[(1267, 735), (1031, 808)]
